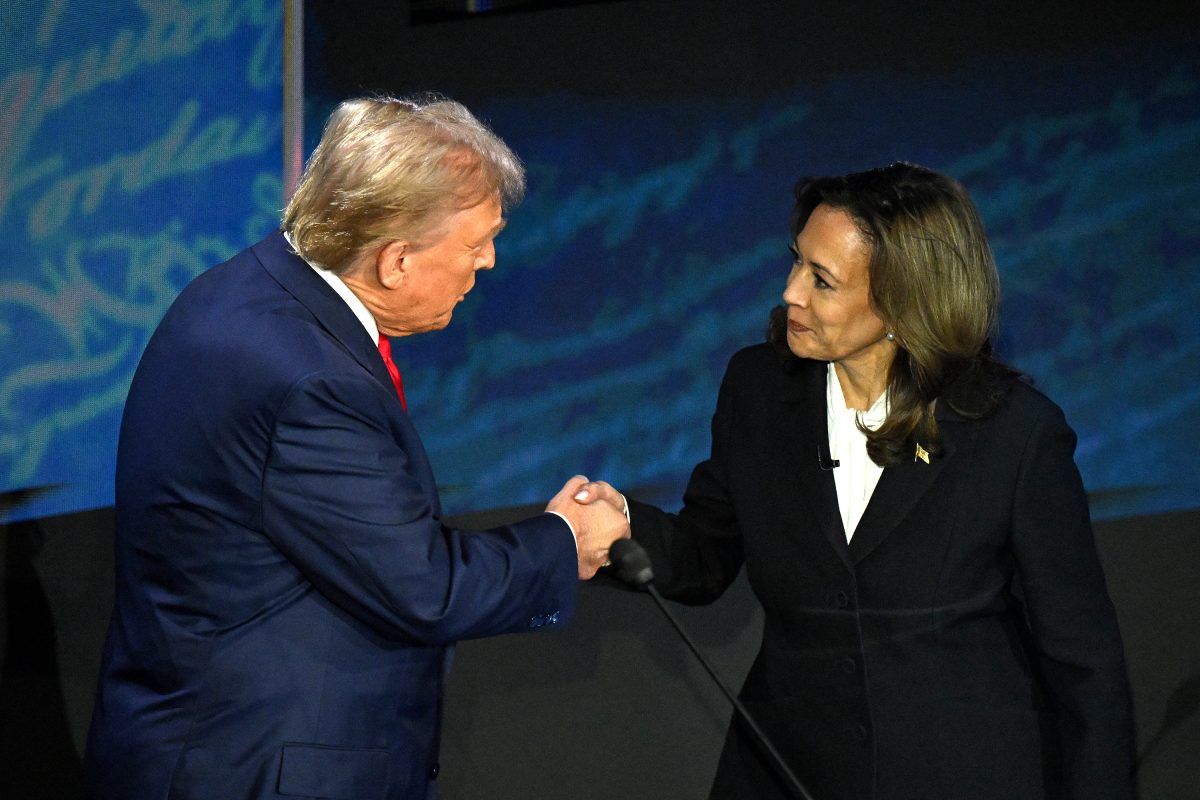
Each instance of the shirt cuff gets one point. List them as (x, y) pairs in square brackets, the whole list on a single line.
[(571, 527)]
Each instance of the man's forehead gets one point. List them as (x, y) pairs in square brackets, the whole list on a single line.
[(487, 216)]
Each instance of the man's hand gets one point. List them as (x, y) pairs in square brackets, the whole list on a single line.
[(597, 524)]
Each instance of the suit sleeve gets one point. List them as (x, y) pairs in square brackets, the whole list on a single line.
[(697, 553), (342, 503), (1072, 618)]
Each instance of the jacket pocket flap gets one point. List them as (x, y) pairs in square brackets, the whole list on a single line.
[(337, 773)]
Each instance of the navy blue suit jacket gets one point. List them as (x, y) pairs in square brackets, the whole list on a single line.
[(286, 594), (961, 646)]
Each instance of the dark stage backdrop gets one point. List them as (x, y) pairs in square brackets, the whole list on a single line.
[(139, 145), (612, 708)]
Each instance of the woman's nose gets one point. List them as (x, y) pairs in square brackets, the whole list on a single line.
[(794, 293)]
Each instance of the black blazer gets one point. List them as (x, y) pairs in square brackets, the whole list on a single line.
[(963, 645)]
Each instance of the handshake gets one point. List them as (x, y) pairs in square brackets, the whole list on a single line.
[(596, 511)]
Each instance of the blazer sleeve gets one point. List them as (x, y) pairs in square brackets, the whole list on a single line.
[(1071, 616), (697, 553), (342, 502)]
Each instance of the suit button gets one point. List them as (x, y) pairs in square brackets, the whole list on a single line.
[(842, 599), (848, 665), (859, 731), (434, 770)]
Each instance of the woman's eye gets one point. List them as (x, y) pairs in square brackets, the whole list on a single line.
[(819, 282)]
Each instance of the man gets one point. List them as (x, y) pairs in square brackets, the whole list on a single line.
[(286, 594)]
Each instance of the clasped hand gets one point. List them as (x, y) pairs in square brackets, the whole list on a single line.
[(597, 513)]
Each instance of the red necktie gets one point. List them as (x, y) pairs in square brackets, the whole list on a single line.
[(385, 350)]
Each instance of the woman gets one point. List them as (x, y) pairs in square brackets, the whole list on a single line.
[(912, 521)]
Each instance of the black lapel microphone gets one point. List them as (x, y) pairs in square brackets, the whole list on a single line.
[(824, 460), (633, 568)]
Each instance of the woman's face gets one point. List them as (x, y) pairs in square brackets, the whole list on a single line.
[(829, 315)]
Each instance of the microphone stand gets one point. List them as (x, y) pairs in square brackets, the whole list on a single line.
[(794, 786)]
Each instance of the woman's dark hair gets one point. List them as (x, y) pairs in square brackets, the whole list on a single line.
[(933, 282)]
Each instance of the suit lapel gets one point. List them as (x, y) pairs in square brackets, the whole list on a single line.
[(299, 279), (803, 395), (332, 314), (899, 489)]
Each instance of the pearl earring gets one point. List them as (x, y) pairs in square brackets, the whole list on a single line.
[(891, 336)]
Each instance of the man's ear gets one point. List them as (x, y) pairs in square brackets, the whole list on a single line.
[(392, 263)]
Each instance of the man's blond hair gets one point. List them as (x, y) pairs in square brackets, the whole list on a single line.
[(390, 168)]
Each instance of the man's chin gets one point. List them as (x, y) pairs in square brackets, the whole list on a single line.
[(432, 325), (440, 322)]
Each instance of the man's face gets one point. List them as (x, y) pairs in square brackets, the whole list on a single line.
[(438, 276)]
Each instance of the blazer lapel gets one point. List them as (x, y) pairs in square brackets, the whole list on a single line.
[(899, 489), (806, 428), (298, 278)]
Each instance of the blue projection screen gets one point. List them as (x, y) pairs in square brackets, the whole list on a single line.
[(139, 145), (653, 242)]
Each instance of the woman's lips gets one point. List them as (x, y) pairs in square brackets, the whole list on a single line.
[(796, 327)]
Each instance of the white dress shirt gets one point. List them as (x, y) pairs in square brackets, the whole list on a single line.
[(343, 291), (856, 474)]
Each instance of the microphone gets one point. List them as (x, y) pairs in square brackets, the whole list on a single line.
[(632, 565), (824, 460)]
